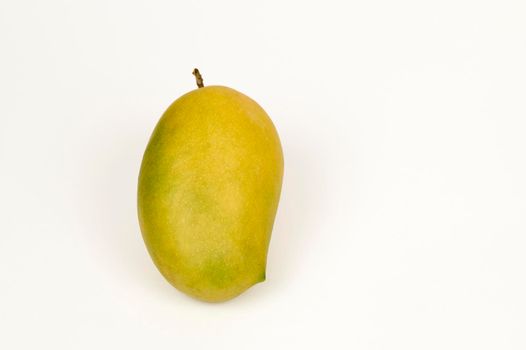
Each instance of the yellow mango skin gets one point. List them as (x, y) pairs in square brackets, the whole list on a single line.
[(208, 192)]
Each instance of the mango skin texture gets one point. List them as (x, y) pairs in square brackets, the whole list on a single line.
[(208, 192)]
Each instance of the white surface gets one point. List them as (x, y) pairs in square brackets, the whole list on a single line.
[(402, 221)]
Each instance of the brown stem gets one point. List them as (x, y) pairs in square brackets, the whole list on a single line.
[(198, 78)]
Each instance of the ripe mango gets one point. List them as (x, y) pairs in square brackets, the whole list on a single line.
[(208, 192)]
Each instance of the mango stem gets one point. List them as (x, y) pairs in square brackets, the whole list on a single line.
[(198, 78)]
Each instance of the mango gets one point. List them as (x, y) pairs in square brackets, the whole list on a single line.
[(208, 191)]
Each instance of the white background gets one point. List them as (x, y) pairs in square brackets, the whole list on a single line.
[(402, 220)]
